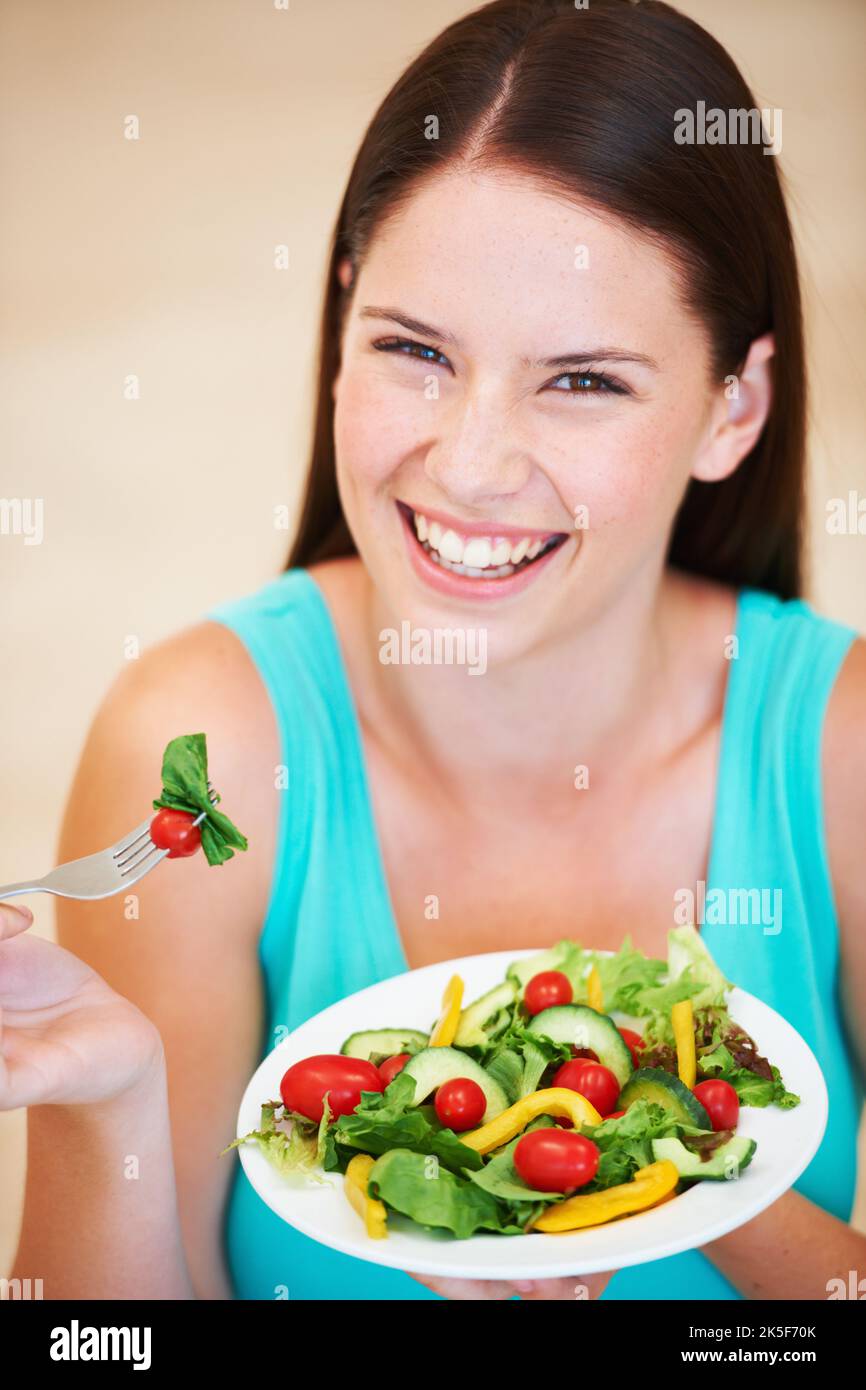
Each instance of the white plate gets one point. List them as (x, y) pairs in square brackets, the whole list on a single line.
[(787, 1140)]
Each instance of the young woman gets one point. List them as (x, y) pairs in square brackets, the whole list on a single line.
[(561, 404)]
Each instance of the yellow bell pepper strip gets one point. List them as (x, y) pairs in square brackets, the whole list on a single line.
[(649, 1186), (557, 1101), (594, 992), (371, 1211), (682, 1019), (444, 1032)]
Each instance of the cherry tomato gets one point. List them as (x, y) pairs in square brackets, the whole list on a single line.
[(720, 1101), (615, 1115), (595, 1083), (304, 1085), (175, 831), (546, 991), (552, 1160), (460, 1104), (634, 1042), (585, 1052), (392, 1065)]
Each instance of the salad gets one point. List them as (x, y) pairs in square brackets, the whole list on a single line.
[(580, 1089), (186, 817)]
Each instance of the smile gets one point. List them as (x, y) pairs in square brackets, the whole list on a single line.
[(485, 557)]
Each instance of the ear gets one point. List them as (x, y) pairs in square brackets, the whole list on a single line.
[(740, 415), (345, 275)]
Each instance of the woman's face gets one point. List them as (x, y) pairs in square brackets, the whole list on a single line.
[(550, 400)]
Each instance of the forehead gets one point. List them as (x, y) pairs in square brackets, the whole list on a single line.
[(499, 254)]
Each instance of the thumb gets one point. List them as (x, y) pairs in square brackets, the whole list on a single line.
[(13, 920)]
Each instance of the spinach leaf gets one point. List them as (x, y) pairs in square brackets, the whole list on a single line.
[(184, 788)]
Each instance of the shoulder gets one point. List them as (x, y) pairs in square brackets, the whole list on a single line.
[(198, 680)]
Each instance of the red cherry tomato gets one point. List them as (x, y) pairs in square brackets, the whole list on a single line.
[(175, 831), (460, 1104), (392, 1065), (304, 1085), (546, 991), (595, 1083), (634, 1042), (720, 1101), (552, 1160), (585, 1052), (615, 1115)]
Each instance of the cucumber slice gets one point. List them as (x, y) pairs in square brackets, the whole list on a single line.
[(726, 1162), (384, 1042), (435, 1065), (651, 1083), (478, 1023), (585, 1027)]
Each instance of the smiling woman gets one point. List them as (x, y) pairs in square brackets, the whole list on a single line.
[(561, 399)]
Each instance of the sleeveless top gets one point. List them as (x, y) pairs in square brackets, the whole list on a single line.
[(330, 927)]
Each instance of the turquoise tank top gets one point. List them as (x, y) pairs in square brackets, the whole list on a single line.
[(330, 928)]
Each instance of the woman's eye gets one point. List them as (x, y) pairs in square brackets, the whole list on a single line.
[(591, 384), (410, 348)]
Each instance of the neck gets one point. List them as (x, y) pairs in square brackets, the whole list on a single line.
[(560, 703)]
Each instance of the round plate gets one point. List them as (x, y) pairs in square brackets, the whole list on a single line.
[(787, 1141)]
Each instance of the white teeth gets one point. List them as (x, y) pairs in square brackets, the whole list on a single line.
[(451, 548), (479, 556), (477, 553)]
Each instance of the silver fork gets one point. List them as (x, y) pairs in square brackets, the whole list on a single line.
[(110, 871)]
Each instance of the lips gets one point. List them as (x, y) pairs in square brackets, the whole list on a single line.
[(486, 556)]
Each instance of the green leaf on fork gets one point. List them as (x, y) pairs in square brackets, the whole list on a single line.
[(184, 788)]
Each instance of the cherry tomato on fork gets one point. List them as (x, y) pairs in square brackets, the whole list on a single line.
[(304, 1086), (175, 831), (460, 1104), (392, 1065), (547, 990)]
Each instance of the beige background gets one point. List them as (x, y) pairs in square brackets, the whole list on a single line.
[(155, 258)]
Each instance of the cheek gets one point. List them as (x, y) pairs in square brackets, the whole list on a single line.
[(376, 425), (629, 471)]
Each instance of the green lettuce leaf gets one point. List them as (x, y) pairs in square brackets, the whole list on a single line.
[(184, 788), (419, 1187), (387, 1120), (751, 1089)]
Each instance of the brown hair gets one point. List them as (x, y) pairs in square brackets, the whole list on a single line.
[(585, 101)]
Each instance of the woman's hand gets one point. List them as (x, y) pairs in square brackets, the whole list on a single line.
[(582, 1287), (66, 1038)]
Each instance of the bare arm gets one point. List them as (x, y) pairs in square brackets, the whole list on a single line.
[(184, 950), (809, 1245), (100, 1207)]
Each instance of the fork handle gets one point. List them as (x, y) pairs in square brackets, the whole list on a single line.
[(29, 886)]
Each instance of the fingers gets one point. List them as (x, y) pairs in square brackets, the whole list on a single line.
[(13, 920), (579, 1288), (462, 1290)]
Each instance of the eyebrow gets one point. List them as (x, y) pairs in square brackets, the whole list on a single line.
[(563, 359)]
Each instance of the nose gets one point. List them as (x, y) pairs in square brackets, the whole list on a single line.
[(476, 456)]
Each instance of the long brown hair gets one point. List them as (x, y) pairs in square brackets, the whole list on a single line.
[(585, 101)]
